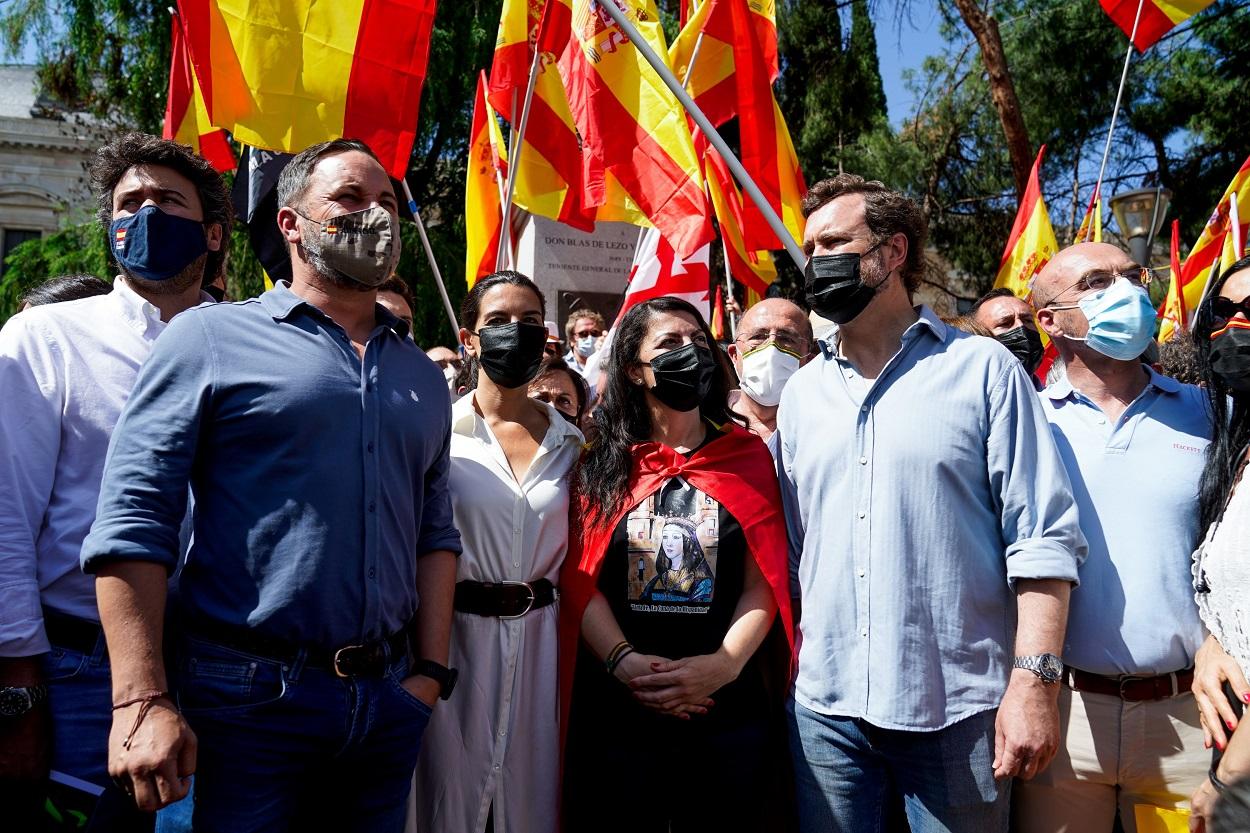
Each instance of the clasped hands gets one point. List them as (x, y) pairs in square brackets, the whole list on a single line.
[(676, 687)]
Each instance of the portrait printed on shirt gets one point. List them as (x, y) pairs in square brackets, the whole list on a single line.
[(673, 539)]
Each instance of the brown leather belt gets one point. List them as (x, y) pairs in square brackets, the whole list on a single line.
[(1131, 689)]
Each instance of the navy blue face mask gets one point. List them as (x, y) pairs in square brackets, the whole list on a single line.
[(156, 246)]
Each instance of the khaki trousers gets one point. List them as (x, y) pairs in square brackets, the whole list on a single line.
[(1113, 754)]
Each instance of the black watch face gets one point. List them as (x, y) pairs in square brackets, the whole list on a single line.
[(13, 702), (1051, 666)]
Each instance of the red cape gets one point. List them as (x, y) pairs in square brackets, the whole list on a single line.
[(734, 469)]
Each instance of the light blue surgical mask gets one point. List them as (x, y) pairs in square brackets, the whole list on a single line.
[(1121, 320), (586, 346)]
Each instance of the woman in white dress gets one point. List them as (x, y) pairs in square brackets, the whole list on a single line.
[(490, 757), (1222, 562)]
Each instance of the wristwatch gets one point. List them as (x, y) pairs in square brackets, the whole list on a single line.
[(1048, 667), (16, 701), (441, 674)]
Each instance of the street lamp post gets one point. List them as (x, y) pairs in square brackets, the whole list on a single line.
[(1140, 215)]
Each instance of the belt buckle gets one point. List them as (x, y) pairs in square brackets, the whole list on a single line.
[(338, 656), (529, 605), (1126, 680)]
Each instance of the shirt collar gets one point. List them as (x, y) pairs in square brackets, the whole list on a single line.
[(1063, 389), (139, 311), (281, 303), (464, 420), (928, 320)]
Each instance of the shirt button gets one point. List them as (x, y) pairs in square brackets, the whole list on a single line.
[(503, 732), (864, 408), (496, 766), (864, 632), (863, 461), (369, 448), (863, 515), (861, 573), (373, 507), (372, 572), (516, 563)]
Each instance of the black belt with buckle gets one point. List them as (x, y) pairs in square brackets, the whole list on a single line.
[(369, 659), (504, 599)]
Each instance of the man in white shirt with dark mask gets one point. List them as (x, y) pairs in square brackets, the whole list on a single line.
[(774, 339)]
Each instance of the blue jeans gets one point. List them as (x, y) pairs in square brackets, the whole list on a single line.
[(843, 768), (80, 698), (291, 747)]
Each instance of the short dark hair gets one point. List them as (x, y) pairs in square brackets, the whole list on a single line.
[(471, 308), (131, 150), (886, 211), (293, 181), (400, 287), (64, 288), (1000, 292)]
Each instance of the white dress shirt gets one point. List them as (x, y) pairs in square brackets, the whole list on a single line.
[(496, 741), (66, 370)]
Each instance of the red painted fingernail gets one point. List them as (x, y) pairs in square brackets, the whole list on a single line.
[(1246, 697), (1230, 725)]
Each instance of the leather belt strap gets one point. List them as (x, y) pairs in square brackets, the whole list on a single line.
[(504, 599), (369, 659), (1132, 689), (65, 631)]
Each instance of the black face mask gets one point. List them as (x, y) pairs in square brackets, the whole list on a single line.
[(683, 376), (1230, 358), (1025, 344), (512, 353), (835, 289)]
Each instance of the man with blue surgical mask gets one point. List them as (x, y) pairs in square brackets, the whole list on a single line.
[(1133, 444), (582, 332), (774, 339), (66, 371)]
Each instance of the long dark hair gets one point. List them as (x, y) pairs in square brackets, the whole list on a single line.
[(1230, 434), (622, 418), (471, 308)]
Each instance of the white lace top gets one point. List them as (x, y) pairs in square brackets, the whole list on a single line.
[(1222, 578)]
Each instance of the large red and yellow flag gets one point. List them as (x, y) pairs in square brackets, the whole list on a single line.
[(727, 54), (1032, 241), (632, 127), (286, 74), (1214, 241), (1157, 17), (754, 269), (186, 116), (515, 44), (483, 215)]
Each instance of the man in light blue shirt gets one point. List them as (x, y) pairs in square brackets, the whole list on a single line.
[(1133, 444), (933, 533)]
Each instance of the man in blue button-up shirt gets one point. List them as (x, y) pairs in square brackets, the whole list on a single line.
[(1134, 444), (314, 435), (928, 513)]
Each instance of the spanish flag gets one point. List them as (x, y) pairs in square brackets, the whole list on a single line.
[(1215, 238), (1091, 225), (754, 269), (1032, 241), (286, 74), (186, 117), (727, 52), (515, 44), (1175, 312), (1157, 17), (483, 214), (632, 127)]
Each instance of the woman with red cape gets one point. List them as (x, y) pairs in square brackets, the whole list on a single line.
[(675, 629)]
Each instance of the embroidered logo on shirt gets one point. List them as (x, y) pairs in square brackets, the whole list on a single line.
[(1192, 449)]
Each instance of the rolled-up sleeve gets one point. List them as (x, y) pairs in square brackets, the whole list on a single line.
[(30, 440), (438, 529), (143, 497), (1040, 527)]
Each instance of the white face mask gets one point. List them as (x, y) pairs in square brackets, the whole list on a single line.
[(449, 373), (765, 371)]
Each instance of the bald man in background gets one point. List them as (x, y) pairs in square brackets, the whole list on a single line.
[(774, 339)]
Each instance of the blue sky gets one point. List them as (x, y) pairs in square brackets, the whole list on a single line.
[(903, 46)]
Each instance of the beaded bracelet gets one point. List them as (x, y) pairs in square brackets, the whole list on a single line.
[(614, 656)]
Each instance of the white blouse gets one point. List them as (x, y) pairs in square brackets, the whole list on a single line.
[(1222, 578), (496, 741)]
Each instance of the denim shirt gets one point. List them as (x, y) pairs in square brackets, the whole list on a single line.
[(318, 477), (914, 502)]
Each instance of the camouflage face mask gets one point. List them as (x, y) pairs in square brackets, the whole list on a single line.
[(363, 245)]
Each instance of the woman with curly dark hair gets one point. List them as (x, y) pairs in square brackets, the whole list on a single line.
[(1222, 562), (672, 489)]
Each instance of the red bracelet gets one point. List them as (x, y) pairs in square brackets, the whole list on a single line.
[(146, 699)]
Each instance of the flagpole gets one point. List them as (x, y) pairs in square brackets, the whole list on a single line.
[(729, 287), (518, 139), (429, 255), (739, 172), (1119, 93)]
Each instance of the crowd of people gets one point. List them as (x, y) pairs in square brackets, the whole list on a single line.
[(268, 565)]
